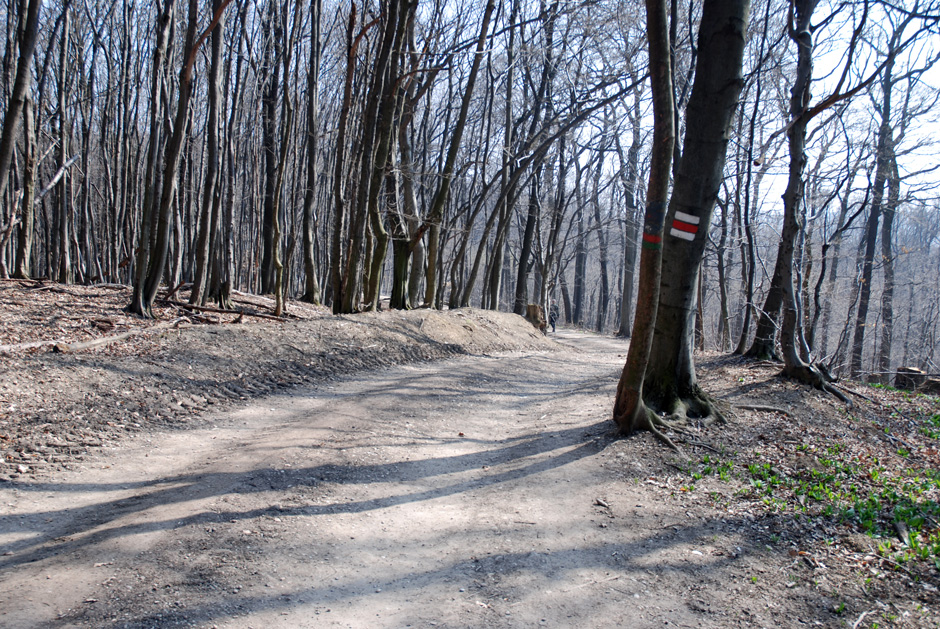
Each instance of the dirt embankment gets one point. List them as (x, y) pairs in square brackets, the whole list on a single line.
[(55, 405)]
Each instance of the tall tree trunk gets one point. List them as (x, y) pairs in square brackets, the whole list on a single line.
[(340, 214), (882, 170), (887, 260), (748, 255), (384, 148), (27, 29), (835, 243), (359, 253), (225, 270), (273, 47), (791, 340), (63, 271), (670, 376), (209, 215), (145, 234), (581, 255), (559, 203), (174, 150), (24, 242), (724, 329), (311, 283), (150, 281), (630, 172), (630, 412), (603, 295), (528, 238), (503, 209)]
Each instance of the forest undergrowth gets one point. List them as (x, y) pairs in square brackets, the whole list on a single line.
[(848, 487)]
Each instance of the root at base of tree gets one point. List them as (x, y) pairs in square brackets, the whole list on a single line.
[(643, 418), (816, 378), (762, 350), (653, 424), (693, 406)]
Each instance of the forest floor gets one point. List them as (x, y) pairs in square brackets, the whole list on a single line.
[(414, 469)]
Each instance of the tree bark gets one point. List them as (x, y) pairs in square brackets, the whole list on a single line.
[(311, 283), (340, 214), (630, 412), (671, 372), (887, 259), (24, 241), (359, 252), (384, 147), (209, 216), (883, 160), (28, 29), (273, 37), (63, 270), (139, 304), (791, 340)]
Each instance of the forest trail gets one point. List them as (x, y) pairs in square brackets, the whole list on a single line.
[(470, 492)]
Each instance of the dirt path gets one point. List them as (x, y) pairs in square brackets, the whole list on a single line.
[(475, 492)]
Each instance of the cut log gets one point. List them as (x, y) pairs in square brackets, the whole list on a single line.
[(909, 378)]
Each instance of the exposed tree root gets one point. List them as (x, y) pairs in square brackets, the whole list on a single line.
[(762, 408), (693, 406), (642, 418), (688, 438), (811, 375), (195, 308), (855, 393), (697, 406), (762, 350), (661, 411), (653, 423)]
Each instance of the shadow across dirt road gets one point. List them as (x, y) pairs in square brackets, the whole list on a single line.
[(481, 491)]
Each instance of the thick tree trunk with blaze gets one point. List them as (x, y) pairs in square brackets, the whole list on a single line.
[(671, 385), (630, 413)]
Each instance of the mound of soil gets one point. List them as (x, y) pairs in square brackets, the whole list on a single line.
[(55, 402)]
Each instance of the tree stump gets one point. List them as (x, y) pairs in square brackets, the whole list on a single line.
[(535, 316), (909, 378), (931, 386)]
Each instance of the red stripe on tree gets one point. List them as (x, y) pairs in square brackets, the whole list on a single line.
[(684, 227)]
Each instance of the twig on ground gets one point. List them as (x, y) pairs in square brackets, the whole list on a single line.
[(858, 622), (170, 294), (699, 444), (762, 408), (194, 308), (62, 346), (673, 465), (853, 392), (108, 340)]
